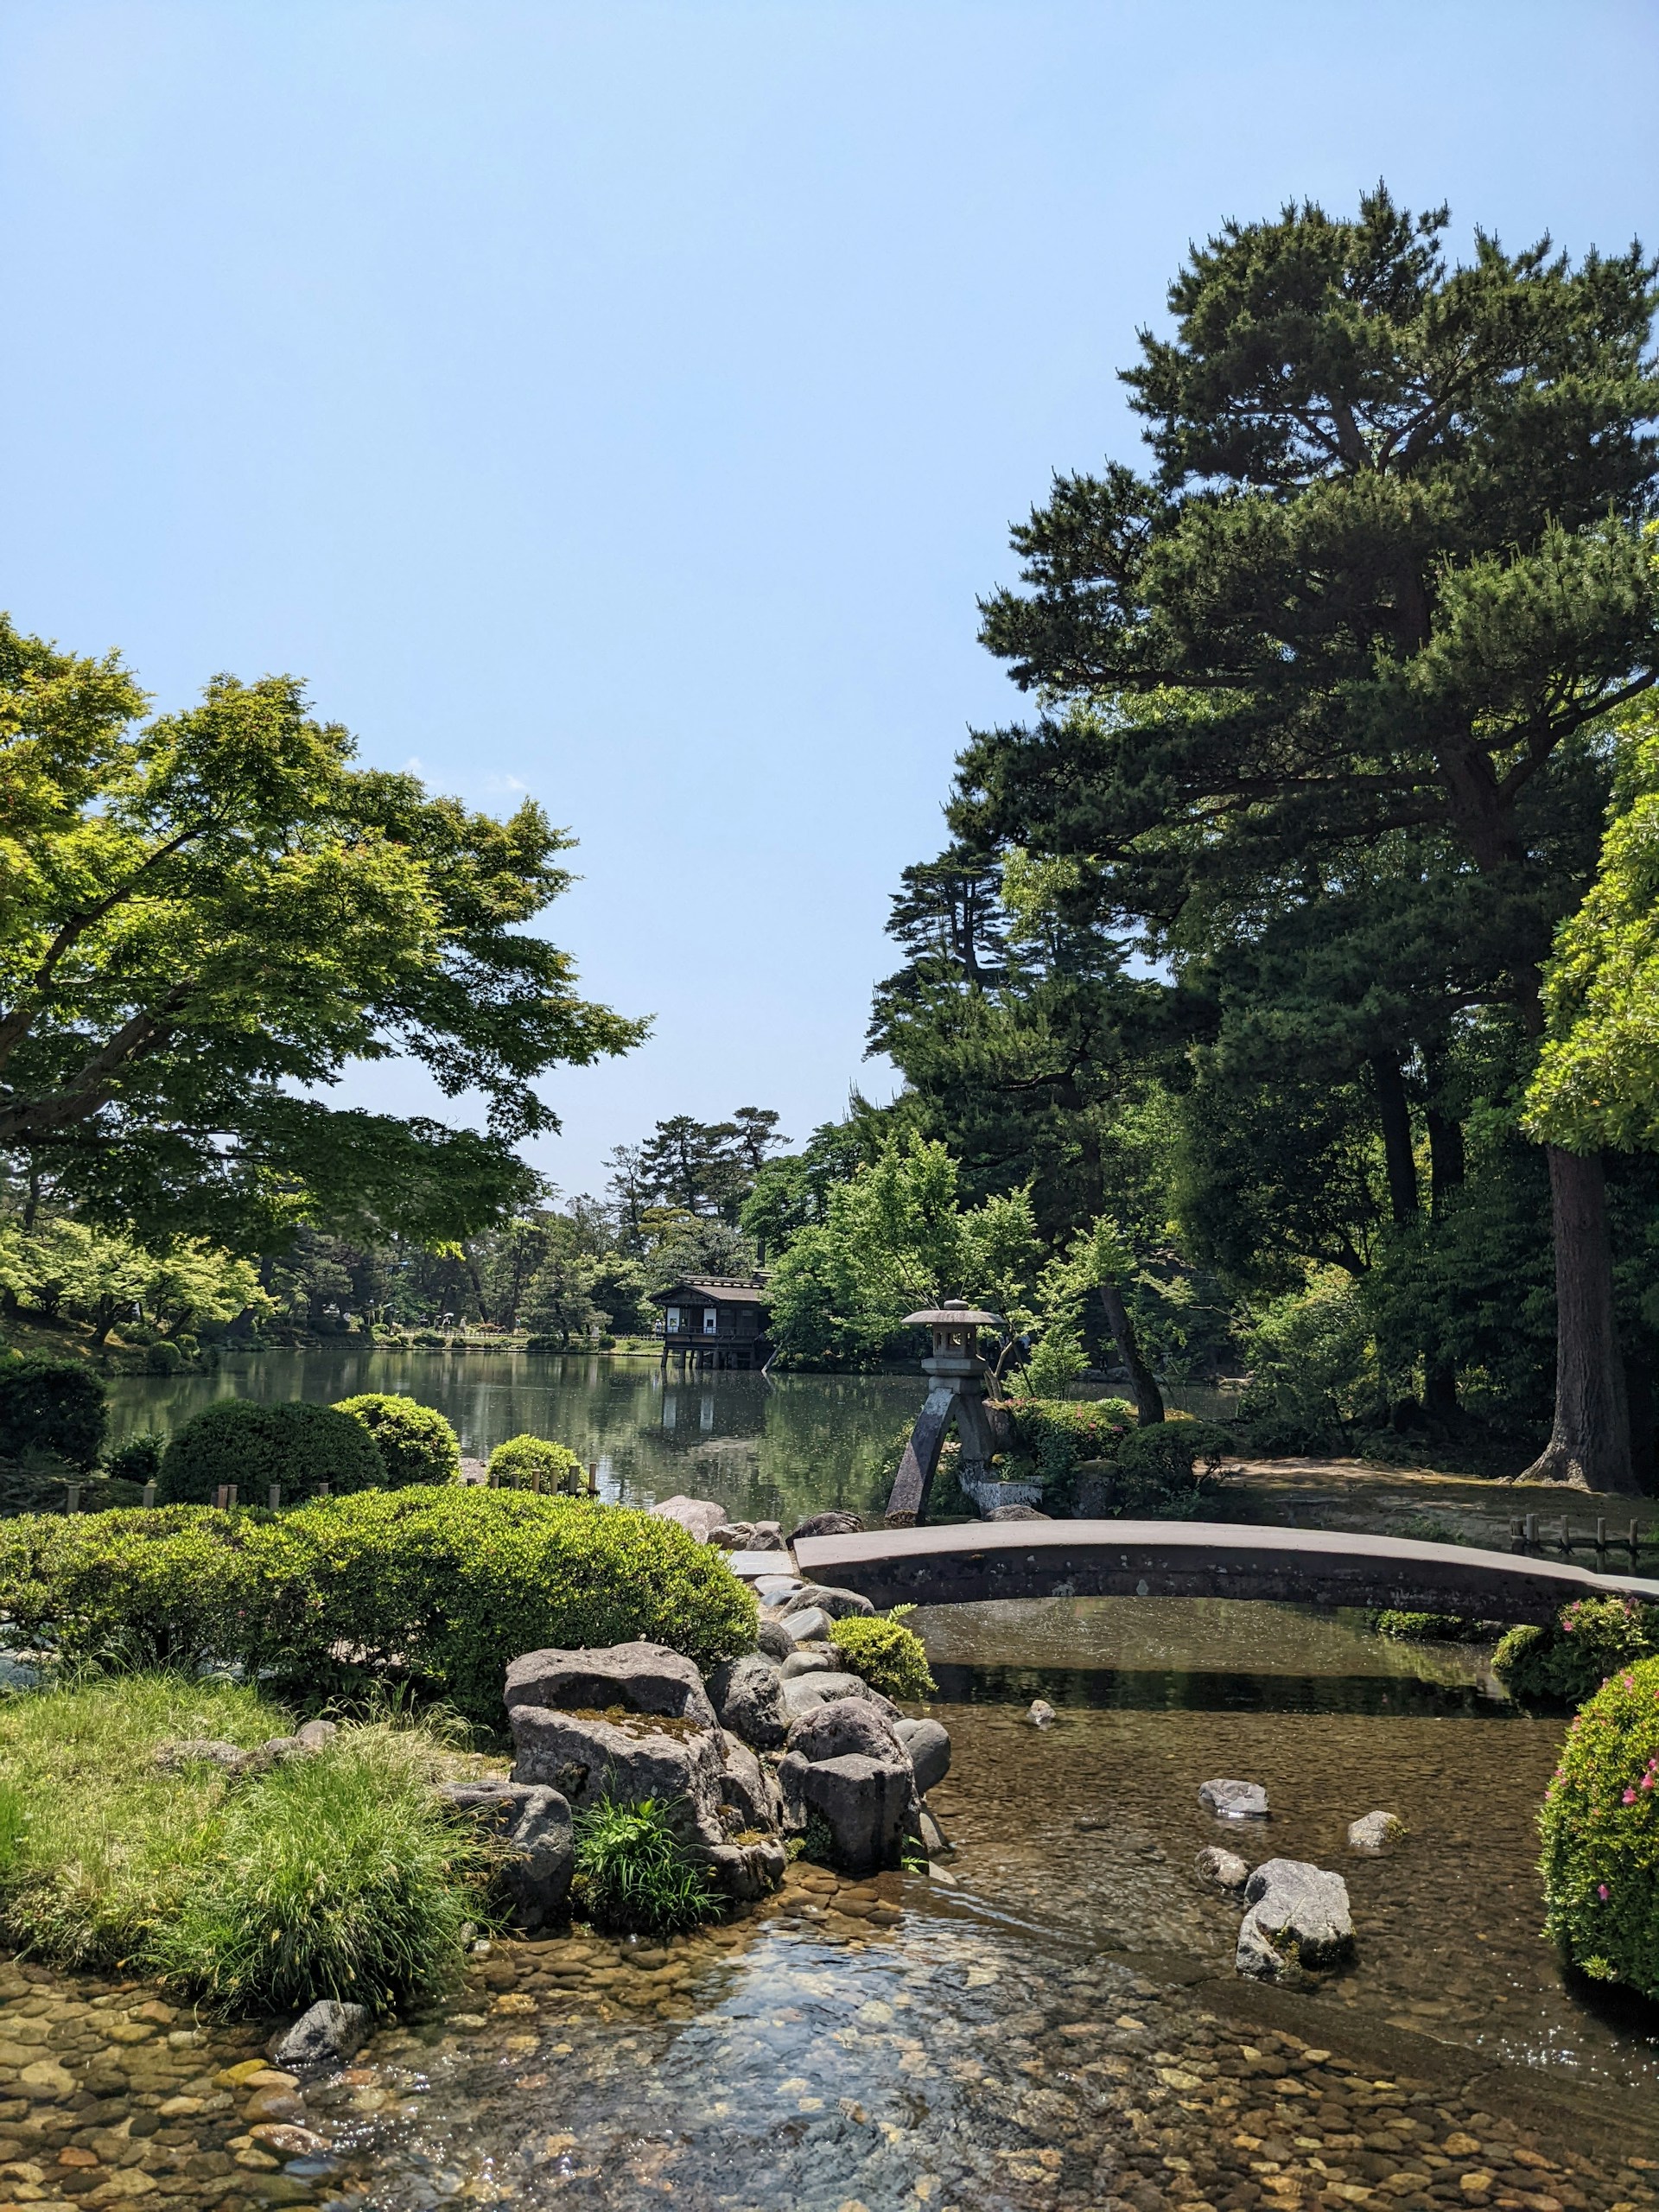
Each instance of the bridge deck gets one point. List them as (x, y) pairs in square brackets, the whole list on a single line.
[(962, 1565)]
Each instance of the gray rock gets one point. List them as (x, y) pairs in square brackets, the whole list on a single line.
[(834, 1523), (932, 1835), (843, 1724), (1235, 1801), (316, 1733), (836, 1603), (744, 1872), (748, 1696), (775, 1640), (629, 1755), (1299, 1922), (641, 1677), (700, 1515), (809, 1627), (748, 1788), (826, 1661), (865, 1803), (193, 1750), (1223, 1870), (806, 1691), (535, 1822), (748, 1536), (773, 1589), (1376, 1832), (275, 1750), (1041, 1713), (1015, 1513), (929, 1747), (325, 2035)]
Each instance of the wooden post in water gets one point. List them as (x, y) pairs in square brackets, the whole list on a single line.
[(592, 1478)]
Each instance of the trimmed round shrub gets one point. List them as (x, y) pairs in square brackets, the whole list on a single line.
[(242, 1441), (442, 1584), (891, 1657), (1426, 1628), (532, 1462), (51, 1405), (1600, 1828), (1588, 1641), (416, 1443)]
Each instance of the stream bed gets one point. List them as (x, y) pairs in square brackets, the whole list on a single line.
[(1057, 2024)]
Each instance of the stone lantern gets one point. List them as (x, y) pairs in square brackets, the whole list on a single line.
[(956, 1377)]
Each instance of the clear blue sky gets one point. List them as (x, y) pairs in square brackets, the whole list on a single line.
[(626, 403)]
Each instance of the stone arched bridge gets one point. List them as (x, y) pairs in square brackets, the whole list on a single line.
[(957, 1565)]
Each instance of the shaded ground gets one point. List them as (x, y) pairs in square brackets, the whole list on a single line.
[(1376, 1500)]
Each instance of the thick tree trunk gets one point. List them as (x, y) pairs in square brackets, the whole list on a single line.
[(1149, 1399), (1394, 1115), (1589, 1447)]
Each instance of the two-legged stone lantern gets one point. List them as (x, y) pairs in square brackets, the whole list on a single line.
[(955, 1392)]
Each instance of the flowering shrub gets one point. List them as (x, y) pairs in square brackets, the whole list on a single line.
[(1590, 1639), (1600, 1827)]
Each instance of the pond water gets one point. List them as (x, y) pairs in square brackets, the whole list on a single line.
[(1057, 2024), (1054, 2021)]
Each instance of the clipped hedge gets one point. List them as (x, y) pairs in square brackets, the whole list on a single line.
[(51, 1405), (891, 1657), (252, 1445), (533, 1462), (416, 1443), (1600, 1829), (444, 1584), (1588, 1641)]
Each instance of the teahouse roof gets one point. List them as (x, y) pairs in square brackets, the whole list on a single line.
[(953, 1315), (713, 1290)]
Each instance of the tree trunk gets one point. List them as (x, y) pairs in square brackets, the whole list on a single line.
[(1395, 1115), (1589, 1447), (1149, 1399)]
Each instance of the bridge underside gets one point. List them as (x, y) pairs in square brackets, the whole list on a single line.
[(1194, 1559)]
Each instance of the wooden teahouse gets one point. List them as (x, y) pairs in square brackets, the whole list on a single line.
[(715, 1320)]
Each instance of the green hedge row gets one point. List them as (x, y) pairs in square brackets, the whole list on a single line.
[(445, 1584)]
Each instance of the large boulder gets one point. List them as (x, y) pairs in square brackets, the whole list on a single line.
[(748, 1696), (849, 1723), (834, 1603), (535, 1823), (637, 1677), (750, 1793), (833, 1523), (701, 1517), (1298, 1922), (929, 1747), (803, 1692), (625, 1756), (865, 1803)]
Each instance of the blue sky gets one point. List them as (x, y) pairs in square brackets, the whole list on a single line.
[(626, 402)]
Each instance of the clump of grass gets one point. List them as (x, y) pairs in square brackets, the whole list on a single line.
[(633, 1872), (97, 1846), (333, 1876)]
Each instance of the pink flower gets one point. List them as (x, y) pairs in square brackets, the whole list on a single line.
[(1630, 1796), (1601, 1891), (1648, 1779)]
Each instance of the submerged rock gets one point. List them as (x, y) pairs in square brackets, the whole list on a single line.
[(1376, 1832), (748, 1696), (1041, 1713), (1299, 1922), (1235, 1801), (325, 2035), (929, 1746), (1223, 1870), (639, 1676)]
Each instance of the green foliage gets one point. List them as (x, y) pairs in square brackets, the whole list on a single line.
[(99, 1275), (1596, 1081), (1600, 1827), (634, 1873), (1588, 1641), (1053, 1436), (416, 1443), (1313, 1366), (1424, 1628), (1162, 1459), (533, 1462), (217, 905), (51, 1405), (337, 1875), (251, 1444), (445, 1584), (891, 1657), (138, 1460)]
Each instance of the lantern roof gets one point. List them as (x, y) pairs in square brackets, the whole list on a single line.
[(955, 1313)]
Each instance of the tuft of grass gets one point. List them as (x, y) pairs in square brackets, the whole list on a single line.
[(334, 1876), (634, 1874), (97, 1846)]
